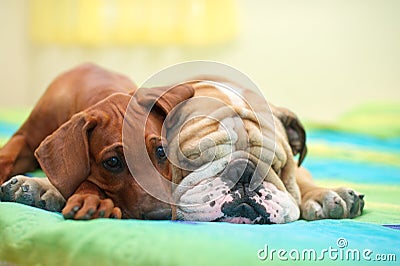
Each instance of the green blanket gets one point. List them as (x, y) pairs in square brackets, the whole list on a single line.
[(362, 151)]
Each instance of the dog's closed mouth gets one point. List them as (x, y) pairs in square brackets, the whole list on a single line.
[(245, 210)]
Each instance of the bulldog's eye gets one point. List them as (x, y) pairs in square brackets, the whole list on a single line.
[(160, 152), (113, 164)]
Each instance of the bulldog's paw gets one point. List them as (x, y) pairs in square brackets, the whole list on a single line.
[(37, 192), (337, 203), (89, 206)]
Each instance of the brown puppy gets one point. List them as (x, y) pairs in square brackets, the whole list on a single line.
[(68, 94), (76, 130)]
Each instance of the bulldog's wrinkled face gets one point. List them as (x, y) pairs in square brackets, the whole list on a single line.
[(228, 160)]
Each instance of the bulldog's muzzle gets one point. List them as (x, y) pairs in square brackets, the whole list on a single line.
[(244, 204), (227, 197)]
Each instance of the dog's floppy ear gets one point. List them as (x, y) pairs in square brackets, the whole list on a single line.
[(294, 130), (165, 98), (64, 155)]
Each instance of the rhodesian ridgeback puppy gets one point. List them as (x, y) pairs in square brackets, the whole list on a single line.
[(75, 134)]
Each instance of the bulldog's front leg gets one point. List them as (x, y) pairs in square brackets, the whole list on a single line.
[(323, 203), (338, 203), (37, 192), (89, 202)]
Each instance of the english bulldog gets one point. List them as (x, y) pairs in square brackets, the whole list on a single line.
[(232, 157)]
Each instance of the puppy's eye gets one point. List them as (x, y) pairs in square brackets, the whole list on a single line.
[(113, 164), (160, 152)]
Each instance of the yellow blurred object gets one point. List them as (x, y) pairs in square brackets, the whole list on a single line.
[(127, 22)]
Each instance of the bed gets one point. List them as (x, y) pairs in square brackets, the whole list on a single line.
[(360, 150)]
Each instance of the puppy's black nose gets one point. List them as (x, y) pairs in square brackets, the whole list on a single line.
[(361, 196)]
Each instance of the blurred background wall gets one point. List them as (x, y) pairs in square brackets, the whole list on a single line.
[(319, 58)]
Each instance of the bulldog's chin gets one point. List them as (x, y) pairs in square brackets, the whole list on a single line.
[(235, 220), (243, 220)]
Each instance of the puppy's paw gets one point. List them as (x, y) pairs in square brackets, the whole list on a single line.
[(37, 192), (337, 203), (89, 206)]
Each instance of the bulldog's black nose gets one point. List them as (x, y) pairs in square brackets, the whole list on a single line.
[(239, 171)]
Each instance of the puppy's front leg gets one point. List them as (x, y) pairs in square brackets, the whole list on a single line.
[(89, 202), (16, 158), (37, 192)]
